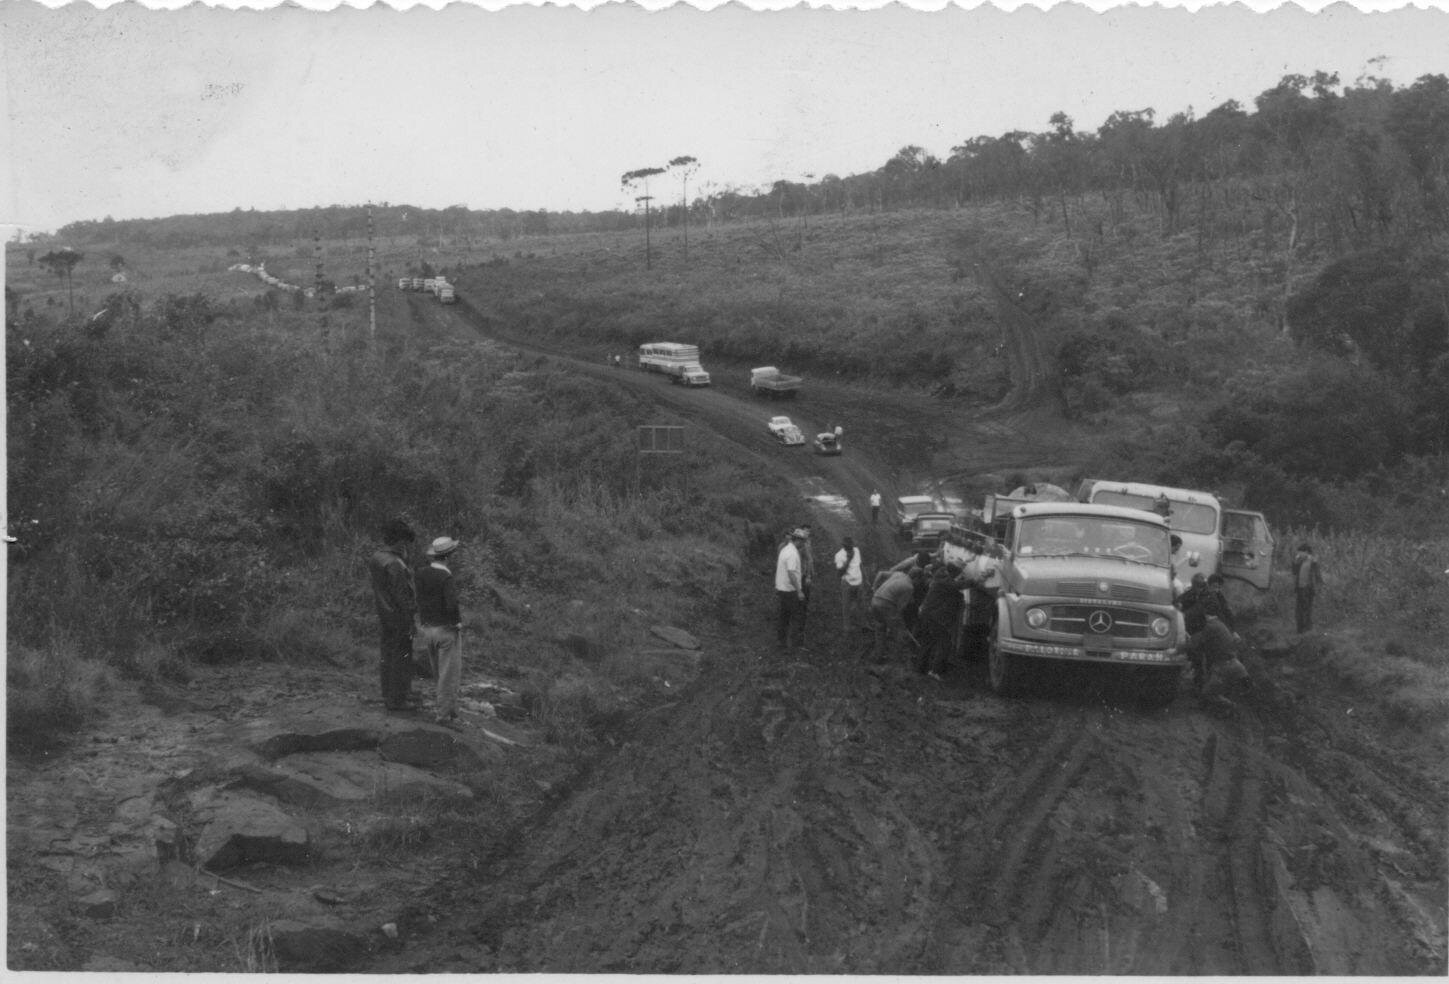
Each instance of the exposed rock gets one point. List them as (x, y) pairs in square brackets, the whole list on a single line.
[(430, 747), (300, 948), (319, 779), (677, 637), (99, 905), (309, 726), (240, 828)]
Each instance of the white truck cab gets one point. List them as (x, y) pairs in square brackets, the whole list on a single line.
[(1215, 540)]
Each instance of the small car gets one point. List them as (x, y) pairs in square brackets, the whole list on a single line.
[(785, 431), (827, 443)]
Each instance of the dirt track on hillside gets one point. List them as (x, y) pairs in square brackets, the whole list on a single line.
[(814, 814)]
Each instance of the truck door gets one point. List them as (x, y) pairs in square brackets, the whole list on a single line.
[(1247, 548)]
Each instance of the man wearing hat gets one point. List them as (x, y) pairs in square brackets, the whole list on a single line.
[(397, 607), (442, 624), (790, 590)]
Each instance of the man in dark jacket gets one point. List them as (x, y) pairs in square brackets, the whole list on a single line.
[(397, 607), (442, 623), (936, 620)]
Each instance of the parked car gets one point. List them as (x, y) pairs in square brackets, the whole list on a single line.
[(785, 431), (827, 443)]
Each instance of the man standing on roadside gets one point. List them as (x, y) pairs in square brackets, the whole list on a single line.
[(847, 565), (442, 624), (1306, 579), (874, 506), (789, 591), (396, 600)]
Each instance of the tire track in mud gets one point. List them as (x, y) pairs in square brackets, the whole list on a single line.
[(1002, 868)]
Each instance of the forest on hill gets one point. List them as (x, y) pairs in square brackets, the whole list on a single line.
[(1322, 164)]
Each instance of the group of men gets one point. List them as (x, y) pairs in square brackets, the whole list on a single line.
[(417, 602), (920, 599)]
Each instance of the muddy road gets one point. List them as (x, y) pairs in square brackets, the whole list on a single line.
[(816, 814)]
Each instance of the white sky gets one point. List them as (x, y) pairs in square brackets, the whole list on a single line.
[(134, 112)]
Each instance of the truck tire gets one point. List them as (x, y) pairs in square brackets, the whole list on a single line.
[(1006, 672)]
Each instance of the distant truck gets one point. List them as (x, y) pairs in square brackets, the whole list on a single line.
[(677, 361), (1215, 540), (1086, 584), (771, 382)]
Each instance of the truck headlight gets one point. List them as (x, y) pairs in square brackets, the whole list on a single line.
[(1160, 627), (1036, 617)]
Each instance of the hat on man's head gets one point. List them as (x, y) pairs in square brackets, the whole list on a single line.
[(798, 533), (442, 546)]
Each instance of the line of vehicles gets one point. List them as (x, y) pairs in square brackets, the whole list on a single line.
[(439, 287), (1091, 577)]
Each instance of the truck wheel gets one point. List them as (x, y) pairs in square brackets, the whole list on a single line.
[(1007, 671), (1156, 686)]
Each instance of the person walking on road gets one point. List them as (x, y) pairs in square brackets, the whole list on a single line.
[(874, 506), (847, 565), (442, 624), (1306, 579), (789, 592), (396, 600)]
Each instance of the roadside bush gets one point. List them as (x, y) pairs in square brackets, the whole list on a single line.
[(51, 690)]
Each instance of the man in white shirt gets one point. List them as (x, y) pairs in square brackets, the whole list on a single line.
[(847, 565), (874, 507), (790, 590)]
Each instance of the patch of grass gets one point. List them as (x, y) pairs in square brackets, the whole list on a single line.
[(51, 690)]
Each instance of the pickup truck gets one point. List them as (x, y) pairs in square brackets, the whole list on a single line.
[(908, 507), (771, 382), (1086, 584), (929, 529)]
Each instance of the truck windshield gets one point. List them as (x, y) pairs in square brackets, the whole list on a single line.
[(1185, 517), (1092, 536)]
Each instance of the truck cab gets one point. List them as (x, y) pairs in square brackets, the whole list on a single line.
[(1215, 540), (1083, 583)]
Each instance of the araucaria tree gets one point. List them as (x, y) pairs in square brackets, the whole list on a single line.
[(62, 261), (685, 167), (640, 179)]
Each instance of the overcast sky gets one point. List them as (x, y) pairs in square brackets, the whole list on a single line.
[(133, 112)]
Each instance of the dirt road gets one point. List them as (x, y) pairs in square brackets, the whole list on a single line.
[(816, 815)]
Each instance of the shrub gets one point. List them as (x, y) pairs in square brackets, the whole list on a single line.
[(51, 690)]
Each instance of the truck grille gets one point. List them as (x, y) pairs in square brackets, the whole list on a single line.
[(1088, 621), (1088, 589)]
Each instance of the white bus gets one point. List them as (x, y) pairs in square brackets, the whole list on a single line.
[(677, 361)]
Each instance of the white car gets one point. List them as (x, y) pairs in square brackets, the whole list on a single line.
[(785, 431)]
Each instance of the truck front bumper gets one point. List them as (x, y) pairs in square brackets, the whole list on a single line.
[(1049, 650)]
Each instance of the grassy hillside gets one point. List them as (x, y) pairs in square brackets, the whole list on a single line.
[(196, 474)]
